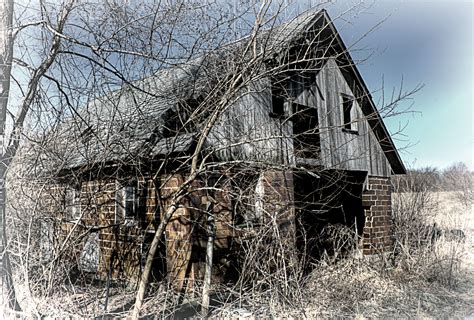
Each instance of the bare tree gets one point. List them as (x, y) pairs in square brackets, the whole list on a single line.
[(24, 107), (103, 93), (6, 55), (459, 178)]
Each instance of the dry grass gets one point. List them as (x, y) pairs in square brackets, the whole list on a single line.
[(439, 284), (432, 282)]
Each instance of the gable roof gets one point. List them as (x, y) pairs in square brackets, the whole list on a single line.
[(368, 106), (126, 124)]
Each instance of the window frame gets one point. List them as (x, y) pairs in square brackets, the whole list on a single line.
[(126, 200), (72, 201), (347, 106)]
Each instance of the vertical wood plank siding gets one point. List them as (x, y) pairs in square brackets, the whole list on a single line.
[(246, 131)]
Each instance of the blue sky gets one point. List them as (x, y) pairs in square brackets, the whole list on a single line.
[(425, 42)]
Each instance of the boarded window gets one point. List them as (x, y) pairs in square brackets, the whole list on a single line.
[(248, 198), (89, 258), (46, 239)]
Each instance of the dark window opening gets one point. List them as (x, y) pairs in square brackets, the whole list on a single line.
[(278, 100), (86, 135), (347, 104), (306, 140), (129, 201), (176, 120), (126, 201), (171, 123)]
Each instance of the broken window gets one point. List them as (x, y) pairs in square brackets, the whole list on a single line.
[(171, 123), (306, 141), (278, 100), (176, 119), (126, 201), (348, 121)]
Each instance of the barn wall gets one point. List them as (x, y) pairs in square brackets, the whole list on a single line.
[(120, 242), (52, 233), (339, 149), (186, 233), (100, 241), (246, 131), (120, 239)]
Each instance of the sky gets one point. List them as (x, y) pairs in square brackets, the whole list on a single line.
[(427, 43)]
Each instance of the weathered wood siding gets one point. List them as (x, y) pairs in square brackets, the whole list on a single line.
[(339, 149), (247, 131)]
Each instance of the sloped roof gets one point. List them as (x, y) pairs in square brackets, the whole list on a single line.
[(126, 124), (123, 125)]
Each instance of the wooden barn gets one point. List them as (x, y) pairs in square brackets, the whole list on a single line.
[(299, 139)]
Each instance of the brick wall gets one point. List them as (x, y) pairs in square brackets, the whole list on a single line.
[(177, 233), (186, 235), (120, 238), (376, 200)]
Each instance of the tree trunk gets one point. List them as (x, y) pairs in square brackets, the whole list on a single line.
[(6, 56), (6, 263), (149, 261), (211, 232)]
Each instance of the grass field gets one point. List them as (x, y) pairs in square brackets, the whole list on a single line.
[(433, 282)]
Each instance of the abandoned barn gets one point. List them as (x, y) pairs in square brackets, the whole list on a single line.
[(292, 137)]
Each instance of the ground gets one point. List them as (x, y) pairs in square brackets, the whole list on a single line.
[(353, 288)]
